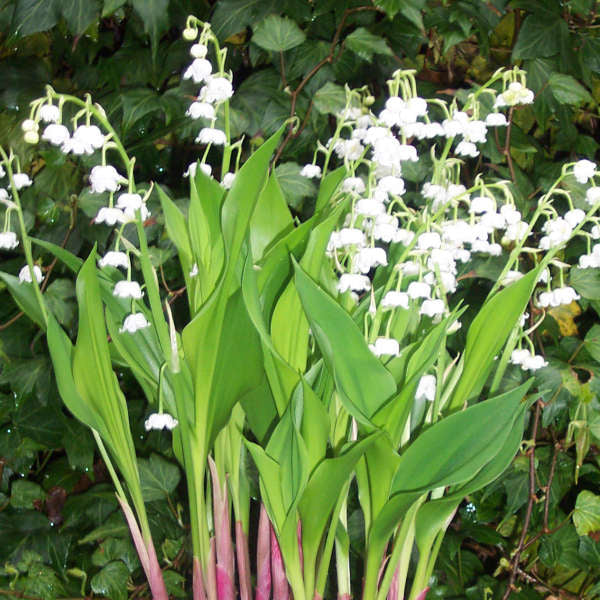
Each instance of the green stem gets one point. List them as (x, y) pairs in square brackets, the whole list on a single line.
[(25, 238)]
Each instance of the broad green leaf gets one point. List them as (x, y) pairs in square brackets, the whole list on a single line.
[(158, 477), (567, 90), (364, 43), (454, 449), (434, 515), (111, 6), (488, 333), (31, 16), (278, 34), (111, 581), (25, 298), (59, 297), (363, 382), (116, 549), (328, 187), (586, 516), (70, 260), (539, 37), (79, 14), (330, 99)]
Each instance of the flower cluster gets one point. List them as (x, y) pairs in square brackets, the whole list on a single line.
[(216, 90), (425, 238)]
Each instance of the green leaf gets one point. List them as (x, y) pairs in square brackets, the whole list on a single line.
[(31, 16), (271, 218), (138, 103), (586, 282), (111, 581), (364, 43), (116, 549), (111, 6), (330, 99), (586, 516), (453, 450), (155, 16), (70, 260), (278, 34), (158, 477), (409, 9), (363, 382), (113, 526), (539, 37), (294, 186), (567, 90), (233, 16), (24, 493), (488, 333), (79, 14), (25, 298)]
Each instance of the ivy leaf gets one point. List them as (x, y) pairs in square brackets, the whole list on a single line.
[(79, 14), (154, 14), (158, 477), (278, 34), (539, 37), (232, 16), (111, 581), (409, 9), (330, 99), (567, 90), (31, 16), (586, 516), (24, 493), (137, 104), (295, 187), (586, 282), (365, 44)]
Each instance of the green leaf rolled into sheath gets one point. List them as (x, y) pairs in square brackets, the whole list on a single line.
[(177, 230), (61, 353), (363, 382), (488, 334)]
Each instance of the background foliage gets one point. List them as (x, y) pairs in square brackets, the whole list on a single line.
[(538, 527)]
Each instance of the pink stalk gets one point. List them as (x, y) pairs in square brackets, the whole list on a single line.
[(422, 594), (211, 578), (198, 581), (147, 555), (243, 562), (263, 557), (281, 590), (225, 567), (344, 597), (393, 592)]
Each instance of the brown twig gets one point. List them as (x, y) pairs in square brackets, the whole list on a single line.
[(327, 60), (532, 499)]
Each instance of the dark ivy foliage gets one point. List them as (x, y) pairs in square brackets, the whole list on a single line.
[(61, 533)]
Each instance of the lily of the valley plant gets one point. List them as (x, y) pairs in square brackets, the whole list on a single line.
[(324, 350)]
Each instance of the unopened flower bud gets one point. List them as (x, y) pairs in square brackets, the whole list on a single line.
[(31, 137), (29, 125), (190, 34)]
